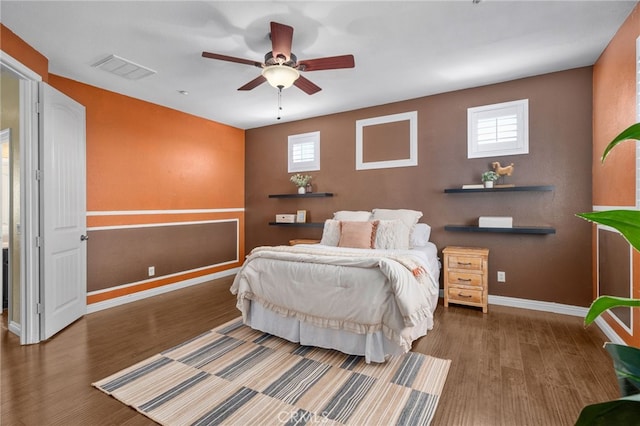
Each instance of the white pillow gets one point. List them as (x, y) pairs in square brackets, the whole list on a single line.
[(392, 235), (352, 216), (331, 233), (408, 217), (420, 235)]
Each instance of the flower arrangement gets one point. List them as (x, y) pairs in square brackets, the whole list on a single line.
[(300, 180), (490, 176)]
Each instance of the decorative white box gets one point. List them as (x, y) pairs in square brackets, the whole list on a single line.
[(495, 222), (285, 218)]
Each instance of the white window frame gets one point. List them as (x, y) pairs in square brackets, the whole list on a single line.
[(520, 145), (412, 118), (304, 139)]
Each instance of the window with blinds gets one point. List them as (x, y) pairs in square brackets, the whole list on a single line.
[(498, 129), (304, 152)]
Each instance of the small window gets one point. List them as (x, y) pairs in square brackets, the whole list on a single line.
[(498, 129), (304, 152)]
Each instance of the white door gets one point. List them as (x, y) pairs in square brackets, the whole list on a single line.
[(63, 277)]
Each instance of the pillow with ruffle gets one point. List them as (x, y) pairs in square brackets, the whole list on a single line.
[(358, 234)]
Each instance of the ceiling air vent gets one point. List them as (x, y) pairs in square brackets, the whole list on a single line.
[(123, 67)]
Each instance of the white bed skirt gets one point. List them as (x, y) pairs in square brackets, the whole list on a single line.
[(375, 347)]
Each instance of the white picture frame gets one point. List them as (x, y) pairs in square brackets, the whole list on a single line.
[(411, 117)]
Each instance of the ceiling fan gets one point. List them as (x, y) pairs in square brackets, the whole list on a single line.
[(281, 68)]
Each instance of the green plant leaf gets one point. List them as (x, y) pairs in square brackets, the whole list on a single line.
[(630, 133), (625, 221), (626, 362), (604, 303), (623, 411)]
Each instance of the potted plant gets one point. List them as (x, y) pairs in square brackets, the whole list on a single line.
[(489, 177), (626, 359), (301, 182)]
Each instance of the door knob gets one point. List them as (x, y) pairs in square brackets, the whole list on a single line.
[(84, 237)]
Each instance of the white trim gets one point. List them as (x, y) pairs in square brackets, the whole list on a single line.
[(144, 212), (23, 72), (29, 327), (412, 117), (156, 278), (609, 332), (557, 308), (153, 225), (303, 166), (493, 113), (14, 327), (606, 208), (627, 328), (537, 305), (99, 306)]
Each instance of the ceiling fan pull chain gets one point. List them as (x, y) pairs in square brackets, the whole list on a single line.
[(279, 101)]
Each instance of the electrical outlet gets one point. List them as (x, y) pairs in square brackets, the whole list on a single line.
[(502, 277), (152, 271)]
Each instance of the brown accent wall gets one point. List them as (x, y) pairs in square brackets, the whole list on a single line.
[(614, 109), (554, 268)]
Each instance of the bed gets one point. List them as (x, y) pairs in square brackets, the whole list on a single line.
[(369, 288)]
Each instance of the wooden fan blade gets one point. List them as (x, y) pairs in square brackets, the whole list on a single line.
[(281, 39), (253, 83), (329, 63), (306, 86), (231, 59)]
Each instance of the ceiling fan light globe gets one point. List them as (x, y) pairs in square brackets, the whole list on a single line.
[(280, 76)]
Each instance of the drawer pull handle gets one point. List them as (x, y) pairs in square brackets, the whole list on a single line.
[(464, 263), (465, 295), (464, 279)]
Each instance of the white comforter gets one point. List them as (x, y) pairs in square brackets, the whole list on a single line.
[(356, 290)]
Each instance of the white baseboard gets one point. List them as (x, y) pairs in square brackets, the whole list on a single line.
[(557, 308), (537, 305), (609, 332), (15, 328), (117, 301)]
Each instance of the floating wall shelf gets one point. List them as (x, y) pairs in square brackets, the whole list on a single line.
[(307, 195), (539, 230), (501, 189), (299, 224)]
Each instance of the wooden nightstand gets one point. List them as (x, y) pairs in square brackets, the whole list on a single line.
[(466, 272)]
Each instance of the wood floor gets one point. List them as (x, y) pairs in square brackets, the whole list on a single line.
[(509, 367)]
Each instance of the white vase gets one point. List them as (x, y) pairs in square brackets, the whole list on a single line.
[(488, 184), (301, 190)]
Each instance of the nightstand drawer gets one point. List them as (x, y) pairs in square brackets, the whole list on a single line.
[(465, 295), (465, 262), (463, 278)]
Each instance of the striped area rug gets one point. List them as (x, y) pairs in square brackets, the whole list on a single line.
[(234, 375)]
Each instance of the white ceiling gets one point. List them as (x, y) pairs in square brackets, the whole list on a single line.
[(402, 50)]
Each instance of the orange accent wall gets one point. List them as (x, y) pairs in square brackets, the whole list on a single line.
[(142, 156), (614, 109), (15, 47)]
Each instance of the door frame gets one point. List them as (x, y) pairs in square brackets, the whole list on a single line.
[(29, 327)]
